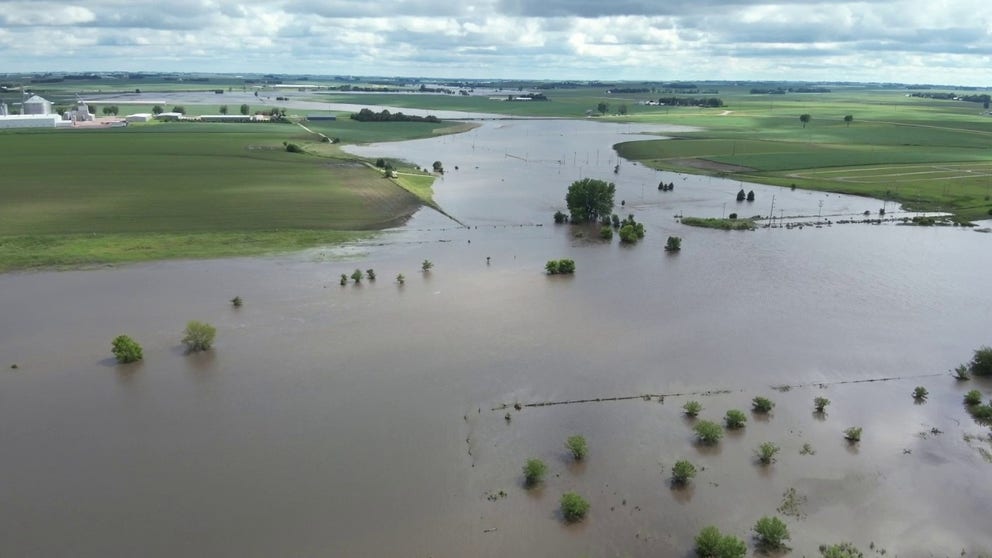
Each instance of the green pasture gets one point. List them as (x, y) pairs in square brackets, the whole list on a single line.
[(927, 154), (179, 190)]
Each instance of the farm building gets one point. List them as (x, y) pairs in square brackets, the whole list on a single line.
[(138, 117), (79, 114), (36, 105), (226, 118), (169, 116), (316, 117), (29, 121)]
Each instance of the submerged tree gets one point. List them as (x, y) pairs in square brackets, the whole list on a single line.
[(589, 198), (125, 349)]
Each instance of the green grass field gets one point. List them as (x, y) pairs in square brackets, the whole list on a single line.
[(181, 190)]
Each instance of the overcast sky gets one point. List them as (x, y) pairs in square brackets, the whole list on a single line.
[(908, 41)]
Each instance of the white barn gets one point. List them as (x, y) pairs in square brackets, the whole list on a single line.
[(29, 121)]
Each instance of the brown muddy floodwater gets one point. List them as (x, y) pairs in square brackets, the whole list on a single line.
[(360, 421)]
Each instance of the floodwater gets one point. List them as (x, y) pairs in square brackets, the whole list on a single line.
[(368, 420)]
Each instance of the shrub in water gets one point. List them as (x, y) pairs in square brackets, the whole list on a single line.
[(981, 363), (842, 550), (692, 408), (198, 336), (370, 273), (766, 452), (853, 434), (673, 244), (573, 507), (973, 397), (237, 302), (577, 445), (606, 233), (534, 471), (920, 393), (708, 432), (344, 279), (710, 543), (683, 471), (357, 275), (771, 533), (962, 372), (762, 404), (735, 418), (125, 349), (426, 265), (820, 404)]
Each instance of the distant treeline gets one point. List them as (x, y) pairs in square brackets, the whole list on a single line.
[(366, 115), (630, 90), (983, 98), (691, 101), (784, 90)]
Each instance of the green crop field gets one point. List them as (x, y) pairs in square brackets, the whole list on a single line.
[(176, 190)]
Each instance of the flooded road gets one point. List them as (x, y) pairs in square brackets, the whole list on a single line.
[(360, 421)]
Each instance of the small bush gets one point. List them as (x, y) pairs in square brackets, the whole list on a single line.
[(293, 148), (673, 244), (766, 452), (125, 349), (577, 445), (198, 336), (357, 275), (920, 393), (982, 413), (981, 363), (771, 533), (820, 404), (692, 408), (708, 432), (534, 471), (573, 507), (628, 235), (344, 279), (400, 279), (962, 372), (560, 217), (370, 273), (606, 233), (762, 404), (973, 397), (842, 550), (853, 434), (683, 471), (426, 265), (735, 418), (710, 543), (237, 302), (563, 266)]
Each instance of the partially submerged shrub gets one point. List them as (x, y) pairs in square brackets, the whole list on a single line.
[(426, 265), (560, 217), (766, 452), (683, 471), (357, 275), (853, 434), (577, 445), (344, 279), (920, 393), (606, 232), (573, 507), (370, 273), (735, 418), (673, 244), (237, 302), (842, 550), (124, 348), (962, 372), (563, 266), (198, 336), (973, 397), (692, 408), (708, 432), (820, 404), (762, 404), (710, 543), (400, 278), (534, 471), (771, 533), (981, 363)]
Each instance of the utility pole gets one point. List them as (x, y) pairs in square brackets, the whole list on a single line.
[(820, 213), (771, 212)]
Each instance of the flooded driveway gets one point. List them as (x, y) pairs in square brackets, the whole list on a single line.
[(369, 420)]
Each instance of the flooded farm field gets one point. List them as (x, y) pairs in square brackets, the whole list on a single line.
[(370, 420)]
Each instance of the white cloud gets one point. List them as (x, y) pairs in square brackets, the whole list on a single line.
[(881, 40)]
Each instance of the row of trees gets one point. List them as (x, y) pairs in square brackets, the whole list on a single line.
[(806, 118), (198, 336), (367, 115)]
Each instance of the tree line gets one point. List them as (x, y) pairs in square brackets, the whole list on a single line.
[(366, 115), (691, 101)]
